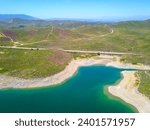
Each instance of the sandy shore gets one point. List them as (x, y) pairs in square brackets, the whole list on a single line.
[(70, 70), (127, 91)]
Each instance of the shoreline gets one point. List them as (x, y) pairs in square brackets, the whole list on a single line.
[(128, 92), (129, 95), (69, 71)]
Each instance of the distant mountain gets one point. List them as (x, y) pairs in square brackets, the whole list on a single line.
[(136, 24), (17, 23), (17, 16), (81, 20)]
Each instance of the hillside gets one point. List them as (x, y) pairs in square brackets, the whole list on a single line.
[(32, 63), (131, 36), (133, 24)]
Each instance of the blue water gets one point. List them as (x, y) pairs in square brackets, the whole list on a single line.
[(85, 92)]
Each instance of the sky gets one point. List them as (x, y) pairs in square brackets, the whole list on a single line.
[(82, 9)]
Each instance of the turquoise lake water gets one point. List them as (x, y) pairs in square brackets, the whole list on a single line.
[(85, 92)]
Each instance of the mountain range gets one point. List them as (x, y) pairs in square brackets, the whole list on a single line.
[(19, 16)]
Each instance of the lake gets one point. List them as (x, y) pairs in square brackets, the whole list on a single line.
[(85, 92)]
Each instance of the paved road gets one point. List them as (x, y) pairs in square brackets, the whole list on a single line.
[(98, 52), (70, 51), (22, 48)]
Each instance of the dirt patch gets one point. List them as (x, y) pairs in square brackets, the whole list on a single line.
[(60, 57)]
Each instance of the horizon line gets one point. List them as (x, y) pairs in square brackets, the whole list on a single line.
[(104, 18)]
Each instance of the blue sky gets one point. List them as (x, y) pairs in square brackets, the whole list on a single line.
[(85, 9)]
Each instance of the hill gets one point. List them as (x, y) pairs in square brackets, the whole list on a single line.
[(136, 24), (19, 16), (129, 36)]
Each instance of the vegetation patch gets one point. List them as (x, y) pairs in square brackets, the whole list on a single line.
[(82, 56), (144, 84), (32, 63)]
